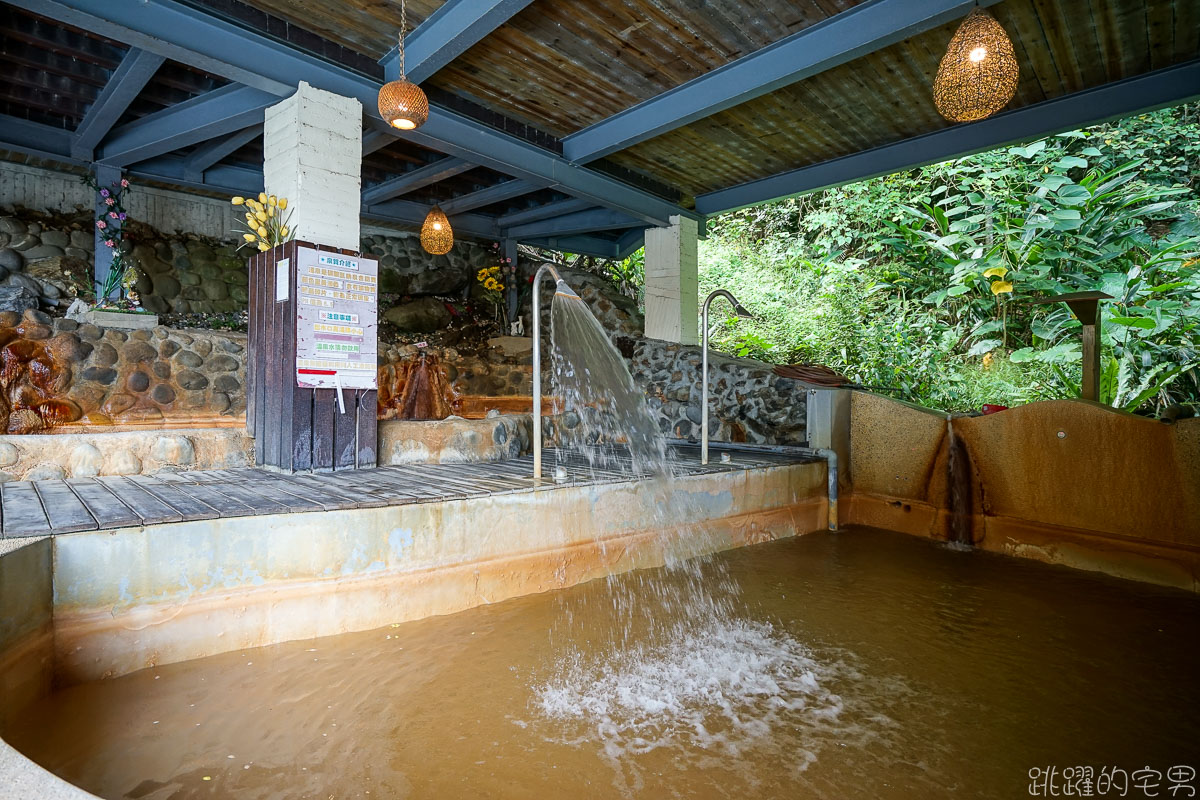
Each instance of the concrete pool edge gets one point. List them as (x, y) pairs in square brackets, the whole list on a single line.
[(1156, 562), (504, 545)]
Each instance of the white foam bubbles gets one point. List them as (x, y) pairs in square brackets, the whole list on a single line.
[(723, 688)]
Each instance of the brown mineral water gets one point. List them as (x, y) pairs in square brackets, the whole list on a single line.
[(852, 665)]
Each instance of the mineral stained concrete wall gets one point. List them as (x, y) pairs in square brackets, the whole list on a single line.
[(100, 604), (1065, 481), (133, 598)]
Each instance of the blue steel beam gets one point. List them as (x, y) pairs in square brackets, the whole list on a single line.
[(201, 40), (485, 197), (586, 245), (375, 139), (556, 209), (127, 81), (410, 213), (630, 242), (208, 155), (35, 138), (212, 114), (1147, 92), (415, 179), (44, 141), (590, 221), (448, 33), (863, 29)]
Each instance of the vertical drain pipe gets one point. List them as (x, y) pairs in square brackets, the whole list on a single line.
[(537, 367), (831, 470)]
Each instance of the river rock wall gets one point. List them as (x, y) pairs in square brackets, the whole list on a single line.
[(55, 372), (45, 259), (748, 402)]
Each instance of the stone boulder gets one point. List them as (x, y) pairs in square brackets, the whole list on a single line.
[(419, 316), (17, 298)]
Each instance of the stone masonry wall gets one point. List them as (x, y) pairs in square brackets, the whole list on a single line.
[(56, 372), (186, 273), (748, 402)]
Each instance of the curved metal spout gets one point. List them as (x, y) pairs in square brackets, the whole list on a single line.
[(537, 359), (741, 311)]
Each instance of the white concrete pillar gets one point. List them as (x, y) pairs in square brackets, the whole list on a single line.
[(672, 282), (313, 157)]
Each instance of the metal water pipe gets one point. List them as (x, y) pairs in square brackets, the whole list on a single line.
[(563, 289), (741, 311)]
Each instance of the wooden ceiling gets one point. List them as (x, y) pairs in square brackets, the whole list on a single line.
[(561, 65)]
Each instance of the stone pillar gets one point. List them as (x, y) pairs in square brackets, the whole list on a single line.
[(672, 282), (313, 157)]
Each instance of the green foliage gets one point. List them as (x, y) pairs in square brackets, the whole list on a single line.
[(921, 283)]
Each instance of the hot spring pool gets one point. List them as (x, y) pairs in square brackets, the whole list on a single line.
[(857, 664)]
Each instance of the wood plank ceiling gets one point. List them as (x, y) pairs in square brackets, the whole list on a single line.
[(561, 65)]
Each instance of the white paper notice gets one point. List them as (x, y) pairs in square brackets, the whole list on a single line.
[(336, 320), (282, 282)]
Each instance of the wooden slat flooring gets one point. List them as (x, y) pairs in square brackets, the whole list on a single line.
[(55, 507)]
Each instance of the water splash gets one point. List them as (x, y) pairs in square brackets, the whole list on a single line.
[(725, 688), (593, 382), (662, 663)]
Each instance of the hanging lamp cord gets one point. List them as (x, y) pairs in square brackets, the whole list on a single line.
[(403, 25)]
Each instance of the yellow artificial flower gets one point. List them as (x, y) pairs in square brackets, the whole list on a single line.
[(481, 274), (263, 247), (272, 200), (237, 201), (249, 237), (282, 203), (283, 231), (500, 287), (260, 216), (995, 272), (271, 211), (262, 197), (490, 283), (262, 231), (1002, 287), (249, 216)]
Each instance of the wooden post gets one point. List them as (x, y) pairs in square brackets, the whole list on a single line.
[(1086, 308), (297, 428)]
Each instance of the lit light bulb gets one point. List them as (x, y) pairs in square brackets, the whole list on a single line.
[(403, 124), (978, 54), (437, 226)]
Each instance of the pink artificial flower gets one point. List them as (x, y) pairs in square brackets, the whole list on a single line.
[(124, 183), (508, 261), (101, 224), (110, 201), (112, 215), (109, 243)]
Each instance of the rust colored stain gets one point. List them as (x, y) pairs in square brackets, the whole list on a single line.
[(31, 378), (415, 389)]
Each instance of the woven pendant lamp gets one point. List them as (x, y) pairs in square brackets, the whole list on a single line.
[(978, 74), (402, 104), (436, 235)]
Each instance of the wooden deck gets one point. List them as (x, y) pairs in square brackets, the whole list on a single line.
[(43, 508)]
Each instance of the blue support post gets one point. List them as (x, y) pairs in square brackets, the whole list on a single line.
[(106, 175), (512, 285)]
